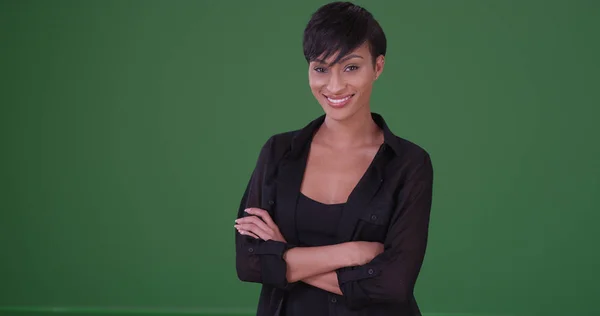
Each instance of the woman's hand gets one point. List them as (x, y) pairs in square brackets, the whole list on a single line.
[(259, 226)]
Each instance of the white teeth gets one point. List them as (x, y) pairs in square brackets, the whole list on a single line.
[(339, 100)]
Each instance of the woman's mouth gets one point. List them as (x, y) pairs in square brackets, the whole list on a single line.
[(338, 102)]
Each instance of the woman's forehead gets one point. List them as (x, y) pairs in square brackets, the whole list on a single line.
[(361, 52)]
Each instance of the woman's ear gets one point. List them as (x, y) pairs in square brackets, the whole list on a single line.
[(379, 63)]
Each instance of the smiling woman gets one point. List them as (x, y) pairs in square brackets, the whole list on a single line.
[(334, 220), (349, 81)]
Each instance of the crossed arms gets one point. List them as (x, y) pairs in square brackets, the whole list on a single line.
[(312, 265)]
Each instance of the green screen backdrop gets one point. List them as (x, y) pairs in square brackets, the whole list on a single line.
[(129, 130)]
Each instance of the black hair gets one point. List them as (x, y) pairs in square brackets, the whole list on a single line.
[(342, 27)]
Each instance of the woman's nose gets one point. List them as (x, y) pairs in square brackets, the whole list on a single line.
[(336, 84)]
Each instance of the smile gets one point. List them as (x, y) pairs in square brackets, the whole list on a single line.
[(338, 102)]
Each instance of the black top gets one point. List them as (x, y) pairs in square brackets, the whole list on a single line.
[(316, 224), (390, 204)]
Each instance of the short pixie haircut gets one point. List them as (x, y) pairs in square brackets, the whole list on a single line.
[(341, 27)]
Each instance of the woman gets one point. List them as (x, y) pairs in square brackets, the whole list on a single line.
[(335, 217)]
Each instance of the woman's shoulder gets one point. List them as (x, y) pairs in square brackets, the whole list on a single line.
[(409, 146), (277, 145), (278, 140), (295, 138), (284, 138), (409, 152)]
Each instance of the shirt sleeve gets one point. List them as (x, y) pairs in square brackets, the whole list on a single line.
[(257, 260), (391, 276)]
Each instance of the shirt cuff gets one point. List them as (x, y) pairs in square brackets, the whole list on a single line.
[(272, 266), (346, 275), (354, 295)]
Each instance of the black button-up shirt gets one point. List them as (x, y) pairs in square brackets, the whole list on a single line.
[(390, 204)]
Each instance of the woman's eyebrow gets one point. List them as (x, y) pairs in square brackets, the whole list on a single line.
[(320, 61)]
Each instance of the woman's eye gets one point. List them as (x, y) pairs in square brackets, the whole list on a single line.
[(319, 69), (351, 68)]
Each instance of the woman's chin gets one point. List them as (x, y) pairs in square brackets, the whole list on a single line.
[(338, 114)]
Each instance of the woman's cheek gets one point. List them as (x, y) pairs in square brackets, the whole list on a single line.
[(317, 83)]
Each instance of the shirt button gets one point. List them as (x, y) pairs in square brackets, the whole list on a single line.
[(370, 271), (250, 249), (271, 202), (334, 300), (373, 217)]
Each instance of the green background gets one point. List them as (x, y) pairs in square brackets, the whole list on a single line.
[(129, 130)]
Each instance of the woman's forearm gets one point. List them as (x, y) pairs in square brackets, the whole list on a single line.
[(304, 262), (327, 282)]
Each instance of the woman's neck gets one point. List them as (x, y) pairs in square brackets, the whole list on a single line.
[(356, 131)]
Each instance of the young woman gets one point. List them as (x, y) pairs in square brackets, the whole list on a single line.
[(335, 217)]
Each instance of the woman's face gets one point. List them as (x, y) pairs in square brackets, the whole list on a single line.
[(345, 88)]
